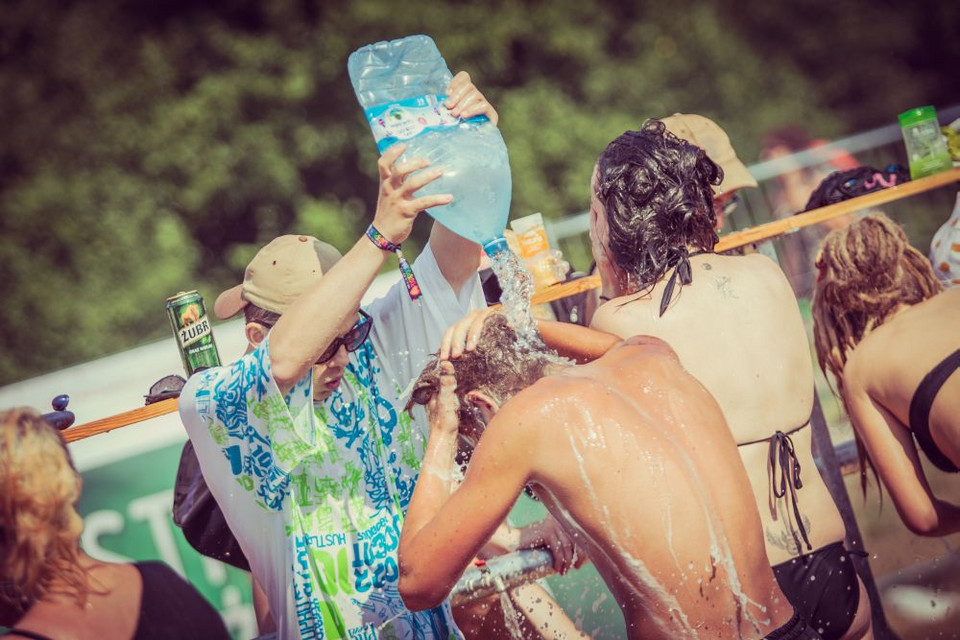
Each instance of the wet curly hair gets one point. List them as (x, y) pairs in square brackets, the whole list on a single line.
[(866, 270), (501, 366), (656, 191), (39, 524)]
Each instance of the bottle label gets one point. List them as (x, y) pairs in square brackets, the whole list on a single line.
[(392, 122)]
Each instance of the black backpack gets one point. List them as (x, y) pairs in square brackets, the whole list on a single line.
[(843, 185), (195, 510)]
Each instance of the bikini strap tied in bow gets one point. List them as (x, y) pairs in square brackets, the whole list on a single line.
[(783, 453), (682, 270)]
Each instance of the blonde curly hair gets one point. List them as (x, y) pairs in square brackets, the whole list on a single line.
[(39, 525), (866, 270)]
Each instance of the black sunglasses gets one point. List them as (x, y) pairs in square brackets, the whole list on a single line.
[(352, 339)]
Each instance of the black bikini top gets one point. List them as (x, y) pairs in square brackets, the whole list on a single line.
[(782, 453)]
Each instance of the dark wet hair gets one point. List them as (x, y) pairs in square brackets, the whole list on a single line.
[(656, 192), (501, 366)]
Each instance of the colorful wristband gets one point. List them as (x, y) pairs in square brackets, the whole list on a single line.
[(381, 242)]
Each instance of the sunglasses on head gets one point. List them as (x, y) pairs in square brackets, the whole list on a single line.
[(351, 340)]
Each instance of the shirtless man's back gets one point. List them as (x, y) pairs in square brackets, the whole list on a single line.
[(632, 456)]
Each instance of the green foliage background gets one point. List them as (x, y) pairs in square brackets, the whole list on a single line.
[(150, 147)]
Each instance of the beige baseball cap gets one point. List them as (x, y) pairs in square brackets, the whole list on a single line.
[(279, 274), (707, 134)]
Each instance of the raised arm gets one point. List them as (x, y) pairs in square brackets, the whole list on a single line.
[(445, 529), (895, 457), (457, 257), (581, 344), (573, 341), (312, 322)]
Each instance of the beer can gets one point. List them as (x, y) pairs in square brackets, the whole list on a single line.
[(188, 317)]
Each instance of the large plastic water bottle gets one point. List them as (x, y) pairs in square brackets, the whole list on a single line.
[(401, 86)]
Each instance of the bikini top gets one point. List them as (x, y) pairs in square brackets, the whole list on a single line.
[(920, 406), (681, 270), (785, 467)]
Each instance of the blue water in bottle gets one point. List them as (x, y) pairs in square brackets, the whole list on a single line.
[(401, 86)]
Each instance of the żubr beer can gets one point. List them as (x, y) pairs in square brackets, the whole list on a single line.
[(188, 317)]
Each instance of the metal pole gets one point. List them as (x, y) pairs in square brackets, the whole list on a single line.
[(829, 464), (500, 574)]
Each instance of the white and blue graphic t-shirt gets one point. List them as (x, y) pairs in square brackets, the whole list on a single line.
[(316, 494)]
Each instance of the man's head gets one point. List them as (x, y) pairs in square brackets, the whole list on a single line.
[(281, 272), (706, 134), (651, 200), (500, 367)]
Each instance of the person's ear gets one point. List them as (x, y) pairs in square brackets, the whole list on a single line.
[(487, 406), (256, 333)]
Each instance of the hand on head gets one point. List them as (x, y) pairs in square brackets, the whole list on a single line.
[(464, 335), (465, 101), (397, 204), (443, 408)]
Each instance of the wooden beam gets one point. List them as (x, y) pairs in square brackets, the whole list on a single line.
[(780, 227), (800, 220), (562, 290), (124, 419)]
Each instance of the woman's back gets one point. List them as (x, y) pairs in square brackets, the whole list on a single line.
[(737, 328), (142, 601), (892, 360)]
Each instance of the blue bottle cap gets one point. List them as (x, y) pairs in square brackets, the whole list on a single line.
[(496, 246)]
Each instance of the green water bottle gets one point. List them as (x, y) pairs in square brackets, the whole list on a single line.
[(926, 149)]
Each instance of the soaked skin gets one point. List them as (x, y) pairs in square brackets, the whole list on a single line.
[(661, 473), (632, 456), (738, 330)]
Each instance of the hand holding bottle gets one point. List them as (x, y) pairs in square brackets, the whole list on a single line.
[(397, 205), (465, 101)]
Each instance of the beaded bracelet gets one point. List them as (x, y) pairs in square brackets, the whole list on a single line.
[(381, 242)]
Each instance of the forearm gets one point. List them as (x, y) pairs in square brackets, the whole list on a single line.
[(424, 579), (576, 342), (433, 488), (311, 323), (457, 257)]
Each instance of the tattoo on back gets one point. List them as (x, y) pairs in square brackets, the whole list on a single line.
[(723, 286), (783, 538), (706, 266)]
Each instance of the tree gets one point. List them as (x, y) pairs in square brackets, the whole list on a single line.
[(157, 145)]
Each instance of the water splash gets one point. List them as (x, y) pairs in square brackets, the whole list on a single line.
[(517, 285), (511, 617)]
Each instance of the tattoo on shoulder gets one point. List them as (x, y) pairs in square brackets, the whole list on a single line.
[(783, 537), (723, 286), (706, 266)]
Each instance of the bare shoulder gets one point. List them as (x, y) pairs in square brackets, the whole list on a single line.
[(624, 316), (764, 268), (856, 370)]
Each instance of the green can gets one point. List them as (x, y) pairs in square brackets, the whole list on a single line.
[(188, 317)]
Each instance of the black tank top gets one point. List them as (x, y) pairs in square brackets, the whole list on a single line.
[(169, 608)]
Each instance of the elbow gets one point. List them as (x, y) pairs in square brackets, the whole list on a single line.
[(284, 376), (924, 523), (417, 590), (416, 595), (285, 369)]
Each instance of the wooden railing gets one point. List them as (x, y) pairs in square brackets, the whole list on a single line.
[(727, 242)]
